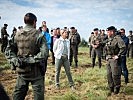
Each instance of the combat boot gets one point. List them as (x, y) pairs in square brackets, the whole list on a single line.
[(76, 64), (93, 62), (111, 91), (126, 81), (117, 90), (99, 62)]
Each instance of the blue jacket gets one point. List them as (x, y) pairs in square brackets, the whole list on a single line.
[(48, 39), (126, 41)]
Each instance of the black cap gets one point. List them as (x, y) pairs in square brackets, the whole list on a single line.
[(92, 32), (130, 31), (6, 25), (57, 28), (111, 28), (72, 27), (95, 29)]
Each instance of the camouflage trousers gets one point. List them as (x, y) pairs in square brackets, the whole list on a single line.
[(114, 73), (22, 85)]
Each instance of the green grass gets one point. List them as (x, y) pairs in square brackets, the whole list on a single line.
[(90, 83)]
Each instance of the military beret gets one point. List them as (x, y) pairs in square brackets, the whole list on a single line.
[(130, 31), (110, 28), (57, 28), (95, 29), (5, 24), (92, 32), (72, 28)]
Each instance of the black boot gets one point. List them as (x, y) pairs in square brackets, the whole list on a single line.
[(126, 81), (93, 62), (76, 64), (70, 63), (99, 62), (117, 90), (111, 91)]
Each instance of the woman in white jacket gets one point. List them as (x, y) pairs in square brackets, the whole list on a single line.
[(61, 51)]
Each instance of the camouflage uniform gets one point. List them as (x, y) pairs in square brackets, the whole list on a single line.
[(90, 46), (130, 46), (4, 38), (27, 54), (104, 37), (74, 42), (115, 46), (96, 40)]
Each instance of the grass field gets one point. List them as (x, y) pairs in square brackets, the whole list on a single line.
[(90, 83)]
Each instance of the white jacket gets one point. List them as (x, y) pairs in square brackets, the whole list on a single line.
[(59, 47)]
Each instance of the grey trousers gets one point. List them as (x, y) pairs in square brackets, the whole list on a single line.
[(65, 62)]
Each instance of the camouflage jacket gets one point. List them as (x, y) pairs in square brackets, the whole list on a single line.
[(115, 46), (29, 45), (74, 38), (96, 40), (130, 39)]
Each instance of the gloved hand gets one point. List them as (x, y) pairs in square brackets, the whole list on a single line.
[(15, 63)]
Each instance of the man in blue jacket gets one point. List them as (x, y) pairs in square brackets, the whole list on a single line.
[(123, 57)]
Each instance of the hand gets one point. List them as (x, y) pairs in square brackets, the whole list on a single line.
[(15, 62), (95, 46), (115, 57)]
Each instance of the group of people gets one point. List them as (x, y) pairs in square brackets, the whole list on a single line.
[(114, 47), (28, 52)]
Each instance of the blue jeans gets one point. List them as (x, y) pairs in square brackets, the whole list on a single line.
[(124, 67)]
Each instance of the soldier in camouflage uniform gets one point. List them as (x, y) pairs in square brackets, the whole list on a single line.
[(115, 48), (130, 46), (4, 38), (89, 44), (96, 48), (27, 54), (74, 42), (104, 37)]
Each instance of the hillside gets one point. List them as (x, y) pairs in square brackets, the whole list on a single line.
[(91, 84)]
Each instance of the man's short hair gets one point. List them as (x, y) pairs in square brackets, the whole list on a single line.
[(29, 18)]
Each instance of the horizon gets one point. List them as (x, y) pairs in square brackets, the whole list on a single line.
[(83, 15)]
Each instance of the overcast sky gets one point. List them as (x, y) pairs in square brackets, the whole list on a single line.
[(85, 15)]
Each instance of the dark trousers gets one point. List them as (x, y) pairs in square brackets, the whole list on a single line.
[(4, 45), (53, 58), (94, 53), (73, 53), (90, 49), (124, 67), (22, 85)]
